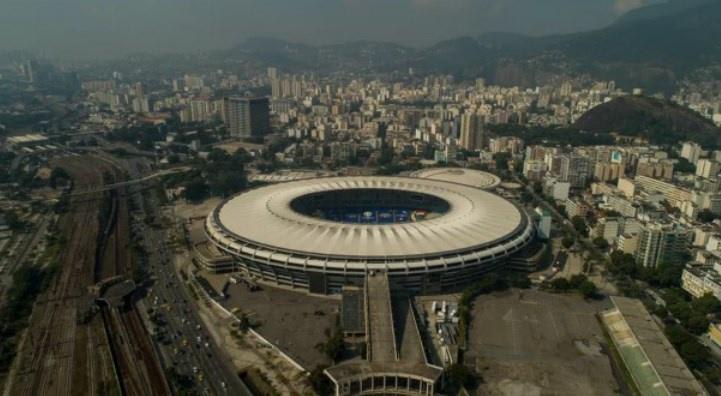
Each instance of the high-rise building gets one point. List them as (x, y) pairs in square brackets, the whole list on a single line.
[(141, 105), (138, 89), (576, 169), (607, 171), (276, 88), (707, 168), (246, 117), (505, 144), (471, 131), (661, 243), (657, 169), (691, 151), (272, 73)]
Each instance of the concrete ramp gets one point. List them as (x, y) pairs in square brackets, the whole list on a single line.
[(381, 337)]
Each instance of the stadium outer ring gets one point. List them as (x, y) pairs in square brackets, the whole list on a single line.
[(291, 249)]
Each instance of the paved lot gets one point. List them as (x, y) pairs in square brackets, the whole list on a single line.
[(294, 322), (535, 343)]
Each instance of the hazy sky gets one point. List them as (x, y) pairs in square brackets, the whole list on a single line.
[(88, 28)]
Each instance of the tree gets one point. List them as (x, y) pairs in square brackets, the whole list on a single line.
[(320, 382), (668, 274), (680, 310), (458, 375), (520, 281), (706, 216), (623, 264), (13, 220), (227, 183), (526, 197), (560, 284), (693, 353), (587, 289), (697, 323), (335, 346), (576, 280), (501, 161), (218, 155), (538, 187), (684, 166), (706, 304), (567, 241), (579, 224), (196, 190), (56, 175), (676, 334), (601, 243), (244, 323)]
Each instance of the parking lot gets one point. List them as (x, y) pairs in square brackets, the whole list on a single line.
[(536, 343), (294, 322)]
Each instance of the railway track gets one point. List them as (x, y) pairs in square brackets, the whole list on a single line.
[(111, 353), (47, 358), (138, 364)]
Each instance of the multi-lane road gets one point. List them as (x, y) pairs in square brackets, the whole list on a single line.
[(189, 349)]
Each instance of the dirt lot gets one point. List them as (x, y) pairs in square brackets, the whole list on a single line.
[(294, 322), (535, 343), (186, 210)]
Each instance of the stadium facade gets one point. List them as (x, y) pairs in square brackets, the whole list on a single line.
[(320, 234)]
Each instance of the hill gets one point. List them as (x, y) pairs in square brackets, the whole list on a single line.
[(660, 10), (661, 122), (652, 47)]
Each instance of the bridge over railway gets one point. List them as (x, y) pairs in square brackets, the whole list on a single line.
[(91, 189)]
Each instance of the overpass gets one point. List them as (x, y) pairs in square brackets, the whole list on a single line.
[(112, 186)]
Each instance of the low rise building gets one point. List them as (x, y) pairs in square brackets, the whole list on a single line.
[(698, 280)]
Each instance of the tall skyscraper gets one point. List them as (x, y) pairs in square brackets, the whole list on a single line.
[(246, 117), (471, 131)]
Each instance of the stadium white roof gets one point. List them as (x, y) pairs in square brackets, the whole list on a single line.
[(264, 217), (468, 177)]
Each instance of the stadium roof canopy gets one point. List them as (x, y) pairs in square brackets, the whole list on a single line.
[(264, 217), (468, 177)]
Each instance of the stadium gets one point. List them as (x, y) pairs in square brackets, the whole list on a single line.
[(322, 234)]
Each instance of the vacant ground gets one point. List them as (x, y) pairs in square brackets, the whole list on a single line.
[(535, 343), (294, 322), (187, 210)]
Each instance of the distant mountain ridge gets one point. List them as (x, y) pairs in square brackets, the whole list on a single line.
[(652, 47), (660, 10)]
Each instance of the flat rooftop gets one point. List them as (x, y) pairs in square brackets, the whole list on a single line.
[(352, 310), (654, 364)]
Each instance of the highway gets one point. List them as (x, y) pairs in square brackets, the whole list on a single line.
[(197, 354)]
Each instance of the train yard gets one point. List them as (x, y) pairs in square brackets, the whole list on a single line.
[(71, 346)]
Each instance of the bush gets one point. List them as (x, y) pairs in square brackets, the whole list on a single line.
[(457, 376), (587, 289), (320, 382), (335, 346), (601, 243), (560, 284)]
